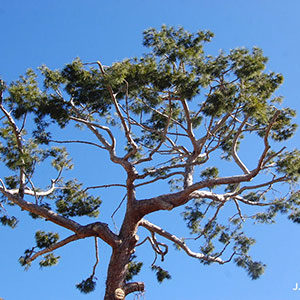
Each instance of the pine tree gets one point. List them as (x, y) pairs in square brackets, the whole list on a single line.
[(180, 113)]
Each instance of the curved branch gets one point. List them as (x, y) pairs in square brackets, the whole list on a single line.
[(42, 211), (189, 129), (163, 138), (126, 129), (77, 141), (98, 229), (97, 258), (132, 287), (104, 186), (88, 123), (159, 178), (172, 200), (99, 136), (154, 228), (266, 142), (234, 146)]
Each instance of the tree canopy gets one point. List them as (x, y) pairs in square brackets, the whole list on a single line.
[(173, 115)]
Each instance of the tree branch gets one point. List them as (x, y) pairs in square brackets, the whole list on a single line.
[(79, 142), (132, 287), (127, 131), (234, 146), (55, 246), (154, 228), (104, 186), (98, 229)]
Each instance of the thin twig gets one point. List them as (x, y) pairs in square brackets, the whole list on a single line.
[(97, 257), (79, 142), (112, 216), (104, 186)]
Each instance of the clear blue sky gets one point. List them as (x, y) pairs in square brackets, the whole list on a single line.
[(52, 32)]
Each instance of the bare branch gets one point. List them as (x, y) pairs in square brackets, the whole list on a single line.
[(115, 211), (163, 138), (266, 142), (33, 192), (159, 178), (169, 201), (234, 146), (189, 129), (99, 136), (239, 210), (257, 186), (212, 131), (126, 129), (104, 186), (97, 257), (79, 142), (154, 228), (18, 137)]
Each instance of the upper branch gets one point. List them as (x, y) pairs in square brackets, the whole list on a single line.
[(18, 137), (126, 129), (234, 146), (189, 125), (266, 142), (172, 200)]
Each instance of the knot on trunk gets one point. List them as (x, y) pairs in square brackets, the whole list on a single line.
[(119, 294)]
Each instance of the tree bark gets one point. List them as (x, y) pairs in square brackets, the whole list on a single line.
[(117, 270), (120, 258)]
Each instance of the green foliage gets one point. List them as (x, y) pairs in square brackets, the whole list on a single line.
[(87, 286), (176, 44), (23, 259), (193, 215), (243, 243), (210, 172), (49, 260), (254, 268), (61, 159), (161, 274), (289, 164), (11, 222), (252, 196), (11, 181), (44, 240), (23, 94), (73, 201), (133, 268)]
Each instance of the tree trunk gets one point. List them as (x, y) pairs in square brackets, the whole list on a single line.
[(117, 270), (120, 258)]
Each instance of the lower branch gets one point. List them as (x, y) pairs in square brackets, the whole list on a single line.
[(154, 228), (53, 247), (132, 287), (98, 229)]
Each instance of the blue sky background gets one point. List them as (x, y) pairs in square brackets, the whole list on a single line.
[(54, 32)]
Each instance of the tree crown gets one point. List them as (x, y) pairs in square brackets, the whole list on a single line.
[(179, 112)]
